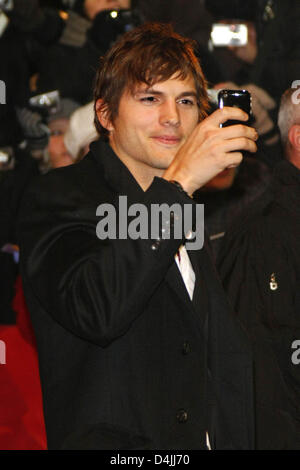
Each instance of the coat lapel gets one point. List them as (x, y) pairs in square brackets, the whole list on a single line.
[(200, 297)]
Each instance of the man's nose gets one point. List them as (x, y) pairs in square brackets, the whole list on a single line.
[(169, 114)]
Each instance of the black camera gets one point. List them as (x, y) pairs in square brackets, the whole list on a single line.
[(236, 99), (123, 20), (46, 103), (109, 25)]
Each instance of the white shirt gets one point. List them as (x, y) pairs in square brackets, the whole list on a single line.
[(186, 270)]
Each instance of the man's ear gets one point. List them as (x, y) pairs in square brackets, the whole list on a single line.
[(294, 136), (102, 114)]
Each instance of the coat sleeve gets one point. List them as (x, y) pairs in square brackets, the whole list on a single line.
[(94, 288)]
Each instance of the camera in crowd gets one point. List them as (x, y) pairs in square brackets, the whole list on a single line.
[(234, 35), (123, 20), (34, 118), (109, 25)]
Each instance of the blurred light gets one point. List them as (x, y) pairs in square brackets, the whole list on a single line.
[(3, 157), (64, 15), (114, 14)]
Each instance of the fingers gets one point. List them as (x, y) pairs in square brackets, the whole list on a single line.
[(222, 115), (234, 159), (238, 130), (240, 143), (231, 138), (210, 149)]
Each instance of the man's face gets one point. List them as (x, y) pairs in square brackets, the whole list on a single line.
[(152, 124)]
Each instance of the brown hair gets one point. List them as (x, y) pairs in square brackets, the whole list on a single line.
[(149, 54)]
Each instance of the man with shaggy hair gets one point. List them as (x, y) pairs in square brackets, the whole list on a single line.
[(137, 350)]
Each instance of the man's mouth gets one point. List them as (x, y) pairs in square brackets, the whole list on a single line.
[(166, 139)]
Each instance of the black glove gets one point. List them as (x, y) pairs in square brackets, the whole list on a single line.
[(26, 15)]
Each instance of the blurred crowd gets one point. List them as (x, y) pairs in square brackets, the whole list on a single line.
[(50, 51)]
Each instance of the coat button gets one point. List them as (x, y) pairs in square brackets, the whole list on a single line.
[(189, 235), (182, 416), (186, 348), (155, 245)]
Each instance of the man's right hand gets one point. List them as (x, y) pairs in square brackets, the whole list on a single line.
[(210, 149)]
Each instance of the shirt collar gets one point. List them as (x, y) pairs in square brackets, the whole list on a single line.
[(116, 174)]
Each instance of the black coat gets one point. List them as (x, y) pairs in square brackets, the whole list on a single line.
[(266, 243), (126, 359)]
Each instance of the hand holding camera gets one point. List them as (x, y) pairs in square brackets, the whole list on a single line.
[(211, 148)]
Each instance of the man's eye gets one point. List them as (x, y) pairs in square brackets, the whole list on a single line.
[(148, 99), (187, 102)]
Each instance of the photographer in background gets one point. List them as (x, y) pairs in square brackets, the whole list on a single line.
[(266, 65), (271, 58), (70, 65)]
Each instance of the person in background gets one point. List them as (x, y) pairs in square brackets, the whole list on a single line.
[(70, 64), (266, 65), (81, 132), (273, 43), (260, 267), (56, 153), (229, 194)]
